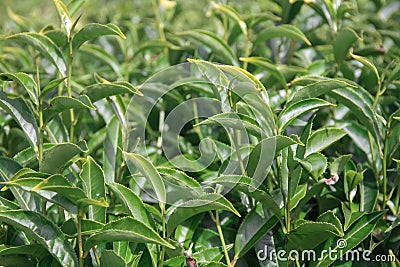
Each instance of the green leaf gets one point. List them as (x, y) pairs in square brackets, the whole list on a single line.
[(26, 81), (368, 64), (110, 258), (358, 101), (273, 69), (125, 229), (23, 115), (150, 173), (45, 46), (323, 138), (235, 121), (315, 86), (300, 193), (349, 216), (88, 227), (44, 232), (55, 183), (254, 226), (64, 15), (207, 202), (355, 234), (338, 165), (344, 41), (284, 30), (245, 184), (353, 178), (131, 202), (217, 45), (50, 86), (35, 250), (330, 217), (315, 165), (102, 90), (93, 30), (369, 194), (94, 186), (233, 14), (58, 156), (314, 232), (290, 113), (110, 145), (62, 103)]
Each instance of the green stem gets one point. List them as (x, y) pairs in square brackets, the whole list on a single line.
[(164, 234), (160, 26), (80, 242), (69, 91), (239, 155), (384, 166), (221, 236), (247, 52)]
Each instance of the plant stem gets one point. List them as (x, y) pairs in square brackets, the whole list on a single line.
[(384, 165), (160, 26), (80, 243), (164, 234), (69, 92), (221, 236)]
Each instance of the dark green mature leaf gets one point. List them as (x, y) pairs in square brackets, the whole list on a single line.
[(353, 236), (93, 30), (290, 113), (26, 81), (150, 173), (55, 183), (131, 202), (8, 168), (63, 103), (314, 164), (358, 101), (322, 138), (44, 232), (245, 184), (254, 226), (315, 86), (369, 196), (45, 46), (88, 227), (353, 178), (330, 217), (110, 258), (57, 157), (344, 40), (94, 186), (35, 250), (50, 86), (102, 90), (207, 202), (125, 229), (314, 232), (23, 115), (110, 148), (215, 43), (284, 30)]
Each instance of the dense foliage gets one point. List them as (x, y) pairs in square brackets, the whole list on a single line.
[(175, 133)]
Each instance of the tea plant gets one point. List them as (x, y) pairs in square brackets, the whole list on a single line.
[(209, 134)]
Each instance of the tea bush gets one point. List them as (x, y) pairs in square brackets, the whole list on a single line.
[(199, 133)]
